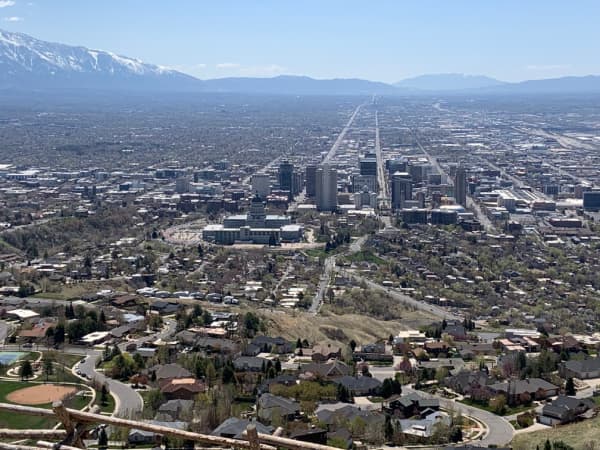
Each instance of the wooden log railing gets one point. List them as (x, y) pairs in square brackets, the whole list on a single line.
[(76, 427)]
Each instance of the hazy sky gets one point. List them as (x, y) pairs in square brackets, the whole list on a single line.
[(374, 39)]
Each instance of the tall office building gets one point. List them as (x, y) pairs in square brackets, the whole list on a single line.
[(368, 165), (401, 189), (326, 188), (286, 177), (460, 186), (311, 180), (261, 184)]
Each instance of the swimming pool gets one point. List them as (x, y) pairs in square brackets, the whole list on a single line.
[(7, 358)]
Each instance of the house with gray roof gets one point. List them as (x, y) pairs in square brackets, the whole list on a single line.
[(536, 387), (566, 409), (234, 428), (358, 386), (273, 407), (584, 370)]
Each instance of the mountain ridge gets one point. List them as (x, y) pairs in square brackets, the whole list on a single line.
[(27, 63)]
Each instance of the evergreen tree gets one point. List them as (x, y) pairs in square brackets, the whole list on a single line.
[(570, 386), (48, 365), (26, 371)]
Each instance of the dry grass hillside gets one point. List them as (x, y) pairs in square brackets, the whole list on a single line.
[(341, 328), (578, 435)]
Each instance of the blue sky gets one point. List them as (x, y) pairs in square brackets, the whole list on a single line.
[(385, 40)]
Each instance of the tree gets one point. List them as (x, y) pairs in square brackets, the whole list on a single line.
[(104, 395), (59, 334), (343, 395), (353, 345), (570, 386), (48, 365), (456, 434), (49, 335), (26, 371), (228, 375), (498, 404)]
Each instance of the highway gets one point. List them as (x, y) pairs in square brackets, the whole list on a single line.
[(341, 136)]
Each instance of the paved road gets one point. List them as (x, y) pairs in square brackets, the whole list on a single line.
[(384, 194), (430, 309), (341, 136), (499, 431), (483, 219), (328, 267), (127, 401)]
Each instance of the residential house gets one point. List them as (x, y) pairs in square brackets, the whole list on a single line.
[(175, 409), (410, 405), (582, 369), (125, 300), (453, 365), (457, 331), (360, 386), (282, 379), (372, 352), (181, 388), (314, 435), (338, 415), (566, 409), (466, 382), (324, 352), (328, 371), (276, 345), (249, 364), (536, 387), (38, 330), (275, 409), (436, 348), (422, 428), (141, 437), (168, 371), (234, 428)]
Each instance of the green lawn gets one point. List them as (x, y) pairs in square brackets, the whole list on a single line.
[(9, 419), (110, 405)]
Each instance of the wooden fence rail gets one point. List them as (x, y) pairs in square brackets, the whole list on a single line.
[(77, 423)]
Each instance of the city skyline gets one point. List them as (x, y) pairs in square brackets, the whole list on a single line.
[(509, 41)]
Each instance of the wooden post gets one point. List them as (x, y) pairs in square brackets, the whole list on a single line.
[(32, 434), (252, 436), (278, 431), (52, 445), (63, 415)]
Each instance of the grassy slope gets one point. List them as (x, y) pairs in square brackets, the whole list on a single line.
[(293, 325), (575, 435)]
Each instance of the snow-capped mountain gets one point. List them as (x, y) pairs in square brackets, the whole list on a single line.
[(26, 62)]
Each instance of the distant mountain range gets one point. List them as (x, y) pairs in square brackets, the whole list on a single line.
[(27, 63), (449, 82)]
